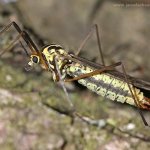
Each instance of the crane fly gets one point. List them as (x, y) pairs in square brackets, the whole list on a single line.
[(102, 79)]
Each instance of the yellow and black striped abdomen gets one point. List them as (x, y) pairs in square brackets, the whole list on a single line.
[(105, 85)]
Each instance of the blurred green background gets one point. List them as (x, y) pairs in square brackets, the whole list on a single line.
[(26, 123)]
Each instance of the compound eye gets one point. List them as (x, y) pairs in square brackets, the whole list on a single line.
[(35, 59)]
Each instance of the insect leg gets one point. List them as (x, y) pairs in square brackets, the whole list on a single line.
[(100, 123), (134, 96), (96, 29), (62, 83), (22, 34), (10, 45)]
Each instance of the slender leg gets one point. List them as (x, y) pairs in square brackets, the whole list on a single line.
[(96, 29), (134, 96), (10, 45), (22, 34), (62, 84), (106, 68), (100, 71), (86, 119), (24, 48), (100, 123)]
